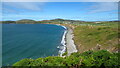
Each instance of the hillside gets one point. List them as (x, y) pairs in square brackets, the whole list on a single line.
[(97, 36), (7, 22), (25, 21), (101, 59), (53, 21), (61, 21)]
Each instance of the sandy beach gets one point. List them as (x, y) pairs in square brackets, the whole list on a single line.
[(71, 47)]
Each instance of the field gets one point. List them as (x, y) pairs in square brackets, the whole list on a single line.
[(92, 36)]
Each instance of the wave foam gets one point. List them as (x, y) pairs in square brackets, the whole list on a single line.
[(63, 42), (62, 47)]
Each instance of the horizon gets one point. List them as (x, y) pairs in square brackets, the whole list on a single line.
[(82, 11), (59, 18)]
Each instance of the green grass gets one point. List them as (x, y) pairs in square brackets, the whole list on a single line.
[(89, 36), (65, 54)]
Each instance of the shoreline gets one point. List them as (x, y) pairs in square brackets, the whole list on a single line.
[(71, 47), (67, 41), (62, 47)]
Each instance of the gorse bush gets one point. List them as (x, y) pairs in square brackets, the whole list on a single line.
[(88, 58)]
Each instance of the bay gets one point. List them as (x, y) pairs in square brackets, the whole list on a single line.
[(21, 41)]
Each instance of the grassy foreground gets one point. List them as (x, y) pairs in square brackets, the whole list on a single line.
[(100, 58)]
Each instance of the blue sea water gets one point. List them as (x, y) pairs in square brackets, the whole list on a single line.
[(21, 41)]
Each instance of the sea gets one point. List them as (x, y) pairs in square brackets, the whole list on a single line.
[(33, 41)]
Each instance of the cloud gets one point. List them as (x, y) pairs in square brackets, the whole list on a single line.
[(103, 7), (21, 6)]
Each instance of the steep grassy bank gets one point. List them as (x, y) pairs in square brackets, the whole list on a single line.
[(97, 36)]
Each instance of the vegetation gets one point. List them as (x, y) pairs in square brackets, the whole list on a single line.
[(7, 22), (92, 36), (100, 58), (25, 21), (54, 21), (65, 54)]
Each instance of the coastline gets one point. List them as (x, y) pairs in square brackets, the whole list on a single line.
[(67, 41), (71, 47), (62, 47)]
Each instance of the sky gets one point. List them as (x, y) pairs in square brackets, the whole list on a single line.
[(84, 11)]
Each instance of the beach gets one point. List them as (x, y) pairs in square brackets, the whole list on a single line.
[(67, 41), (71, 47)]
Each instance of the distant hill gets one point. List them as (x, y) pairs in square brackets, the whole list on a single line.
[(53, 21), (64, 21), (25, 21), (7, 22), (67, 20)]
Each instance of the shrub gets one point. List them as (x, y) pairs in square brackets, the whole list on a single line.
[(100, 58), (23, 62)]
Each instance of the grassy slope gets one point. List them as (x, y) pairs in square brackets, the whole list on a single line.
[(76, 60), (96, 36)]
